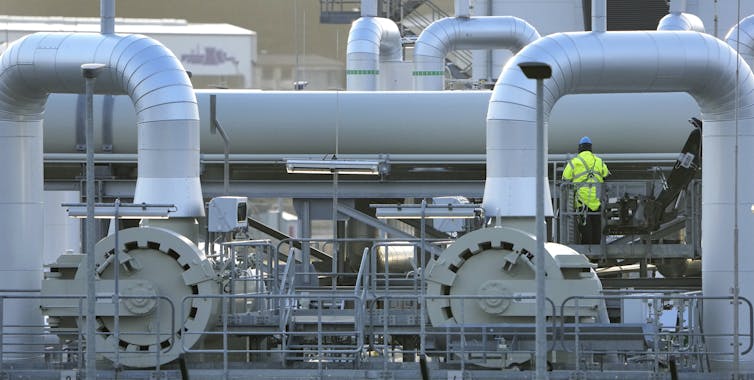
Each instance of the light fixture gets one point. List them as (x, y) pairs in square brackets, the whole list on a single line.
[(363, 167), (125, 210), (431, 211)]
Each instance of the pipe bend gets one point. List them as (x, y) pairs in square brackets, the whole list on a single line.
[(375, 35), (371, 40), (609, 62), (44, 63), (481, 32), (741, 38), (457, 33), (681, 21)]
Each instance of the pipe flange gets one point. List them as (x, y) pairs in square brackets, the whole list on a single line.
[(499, 297), (471, 266), (140, 306), (167, 273)]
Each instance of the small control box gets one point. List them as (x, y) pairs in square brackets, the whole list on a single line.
[(227, 214)]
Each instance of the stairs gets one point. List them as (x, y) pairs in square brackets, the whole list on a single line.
[(412, 16), (324, 328), (458, 61)]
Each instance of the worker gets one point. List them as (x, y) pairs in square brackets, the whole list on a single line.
[(586, 171)]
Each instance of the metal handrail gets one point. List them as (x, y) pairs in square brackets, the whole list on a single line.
[(657, 329), (46, 329), (360, 276)]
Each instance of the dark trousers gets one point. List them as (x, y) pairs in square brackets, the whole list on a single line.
[(590, 226)]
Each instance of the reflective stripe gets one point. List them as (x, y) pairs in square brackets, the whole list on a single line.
[(584, 182), (588, 171)]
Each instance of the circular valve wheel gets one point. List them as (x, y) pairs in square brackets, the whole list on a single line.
[(484, 263), (158, 269)]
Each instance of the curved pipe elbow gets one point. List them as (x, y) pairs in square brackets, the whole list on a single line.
[(457, 33), (161, 91), (375, 35), (741, 38), (679, 21), (610, 62), (371, 40)]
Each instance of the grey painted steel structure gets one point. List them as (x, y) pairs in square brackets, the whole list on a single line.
[(602, 62), (448, 34), (371, 40), (168, 128), (439, 123)]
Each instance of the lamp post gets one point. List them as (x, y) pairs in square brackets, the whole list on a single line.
[(90, 72), (540, 71)]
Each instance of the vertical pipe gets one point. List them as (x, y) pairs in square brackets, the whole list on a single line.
[(482, 59), (108, 104), (335, 248), (423, 292), (462, 8), (369, 8), (90, 73), (107, 16), (80, 123), (677, 6), (116, 280), (306, 234), (541, 339), (216, 127), (599, 15)]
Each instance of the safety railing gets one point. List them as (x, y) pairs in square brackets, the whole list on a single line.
[(463, 341), (375, 330), (30, 345), (684, 230), (657, 340), (315, 335), (251, 266)]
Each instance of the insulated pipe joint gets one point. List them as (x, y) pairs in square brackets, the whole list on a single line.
[(448, 34)]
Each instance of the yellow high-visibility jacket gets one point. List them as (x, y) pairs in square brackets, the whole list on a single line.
[(584, 171)]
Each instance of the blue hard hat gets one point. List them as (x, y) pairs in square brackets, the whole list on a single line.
[(585, 140)]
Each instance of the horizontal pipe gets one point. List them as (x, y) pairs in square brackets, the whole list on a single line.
[(399, 159), (427, 123)]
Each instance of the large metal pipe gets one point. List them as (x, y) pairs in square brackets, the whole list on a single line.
[(462, 8), (696, 63), (681, 21), (481, 66), (678, 19), (168, 128), (371, 40), (369, 8), (741, 39), (107, 16), (448, 34), (599, 15), (445, 122)]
